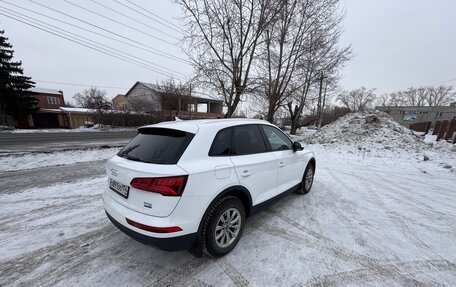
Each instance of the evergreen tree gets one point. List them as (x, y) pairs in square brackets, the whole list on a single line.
[(15, 97)]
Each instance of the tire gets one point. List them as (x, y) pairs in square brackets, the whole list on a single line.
[(307, 179), (218, 236)]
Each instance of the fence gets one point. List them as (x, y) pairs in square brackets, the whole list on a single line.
[(421, 127), (445, 130), (442, 129)]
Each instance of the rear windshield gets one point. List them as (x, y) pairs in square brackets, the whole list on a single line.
[(156, 145)]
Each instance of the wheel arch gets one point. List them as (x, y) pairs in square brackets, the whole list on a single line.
[(313, 162), (238, 191)]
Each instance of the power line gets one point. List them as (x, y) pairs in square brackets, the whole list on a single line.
[(155, 15), (96, 33), (145, 15), (106, 30), (451, 80), (80, 85), (133, 19), (92, 42), (120, 23), (89, 46)]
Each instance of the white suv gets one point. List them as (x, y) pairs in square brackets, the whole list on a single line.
[(191, 184)]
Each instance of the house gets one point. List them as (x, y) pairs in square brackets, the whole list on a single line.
[(49, 101), (52, 112), (408, 115), (152, 98), (120, 102)]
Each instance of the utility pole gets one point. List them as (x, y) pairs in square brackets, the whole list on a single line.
[(190, 98), (319, 101), (322, 107)]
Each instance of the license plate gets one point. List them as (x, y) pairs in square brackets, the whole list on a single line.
[(119, 188)]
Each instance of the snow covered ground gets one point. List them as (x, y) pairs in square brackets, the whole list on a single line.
[(18, 161), (96, 128), (373, 218)]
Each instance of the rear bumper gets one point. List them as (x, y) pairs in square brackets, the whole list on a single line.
[(169, 244)]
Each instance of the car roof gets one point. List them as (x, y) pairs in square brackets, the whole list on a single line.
[(193, 126)]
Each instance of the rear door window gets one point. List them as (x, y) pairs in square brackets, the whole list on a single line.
[(247, 139), (157, 145), (222, 143)]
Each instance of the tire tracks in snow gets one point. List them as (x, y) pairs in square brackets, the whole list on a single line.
[(235, 276), (394, 216), (58, 255), (73, 255), (388, 188), (48, 210), (16, 181), (183, 273), (327, 247), (400, 272)]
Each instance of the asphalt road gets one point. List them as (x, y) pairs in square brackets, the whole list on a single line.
[(30, 142)]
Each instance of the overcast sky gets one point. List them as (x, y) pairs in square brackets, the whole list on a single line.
[(396, 44)]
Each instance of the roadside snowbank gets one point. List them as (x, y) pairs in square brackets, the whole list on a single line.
[(16, 162)]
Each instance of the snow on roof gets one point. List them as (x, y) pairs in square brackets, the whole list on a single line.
[(45, 91), (77, 110)]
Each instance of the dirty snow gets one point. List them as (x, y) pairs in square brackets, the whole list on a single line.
[(373, 218), (368, 130), (95, 128), (13, 162), (376, 134)]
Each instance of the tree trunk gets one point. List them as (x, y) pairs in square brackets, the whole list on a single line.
[(270, 115), (233, 106)]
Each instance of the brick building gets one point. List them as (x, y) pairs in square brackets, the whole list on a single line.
[(48, 115)]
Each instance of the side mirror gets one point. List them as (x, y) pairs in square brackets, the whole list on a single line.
[(297, 146)]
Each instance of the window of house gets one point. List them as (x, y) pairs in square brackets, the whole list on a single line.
[(438, 114), (53, 100)]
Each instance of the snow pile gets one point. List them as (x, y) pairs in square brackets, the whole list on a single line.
[(368, 130)]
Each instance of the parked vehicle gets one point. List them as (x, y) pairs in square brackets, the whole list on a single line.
[(192, 184)]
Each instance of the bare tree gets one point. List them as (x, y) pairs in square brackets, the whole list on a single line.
[(440, 96), (423, 96), (414, 96), (357, 100), (222, 38), (320, 65), (92, 98), (143, 104), (171, 86), (284, 46), (383, 100)]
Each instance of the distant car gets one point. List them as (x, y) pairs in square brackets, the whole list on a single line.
[(191, 184)]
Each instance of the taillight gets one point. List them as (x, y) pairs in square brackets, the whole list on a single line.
[(153, 228), (167, 186)]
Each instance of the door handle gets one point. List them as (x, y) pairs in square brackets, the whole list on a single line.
[(281, 164), (245, 173)]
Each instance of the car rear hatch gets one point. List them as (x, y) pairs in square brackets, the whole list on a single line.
[(144, 175)]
